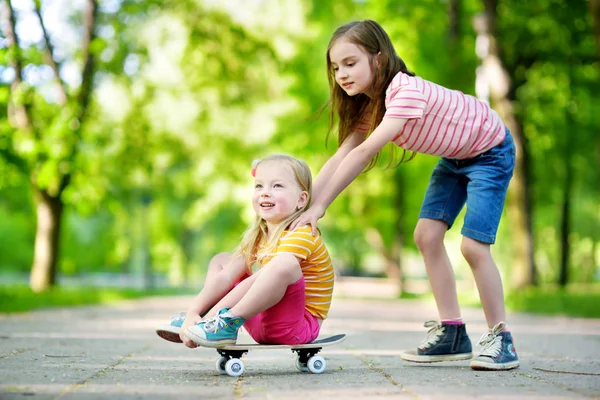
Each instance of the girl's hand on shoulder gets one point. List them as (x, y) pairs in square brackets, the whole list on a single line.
[(309, 217)]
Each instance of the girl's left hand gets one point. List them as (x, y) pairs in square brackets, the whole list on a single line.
[(190, 320), (309, 217)]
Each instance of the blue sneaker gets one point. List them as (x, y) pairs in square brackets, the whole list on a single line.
[(498, 353), (444, 342), (171, 330), (220, 330)]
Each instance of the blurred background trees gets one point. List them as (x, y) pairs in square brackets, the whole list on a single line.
[(127, 131)]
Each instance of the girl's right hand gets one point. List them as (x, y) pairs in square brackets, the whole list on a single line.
[(190, 320), (309, 217)]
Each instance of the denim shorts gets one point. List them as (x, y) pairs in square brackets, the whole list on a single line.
[(481, 182)]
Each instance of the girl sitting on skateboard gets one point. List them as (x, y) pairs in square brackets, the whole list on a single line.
[(287, 299)]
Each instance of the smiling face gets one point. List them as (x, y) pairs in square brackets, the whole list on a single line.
[(277, 195), (351, 66)]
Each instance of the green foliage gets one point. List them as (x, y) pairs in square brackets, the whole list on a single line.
[(17, 229), (550, 48), (574, 301), (189, 92), (21, 298)]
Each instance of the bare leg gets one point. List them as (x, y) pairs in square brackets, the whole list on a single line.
[(429, 237), (216, 284), (221, 276), (487, 278), (269, 287), (257, 293), (235, 295)]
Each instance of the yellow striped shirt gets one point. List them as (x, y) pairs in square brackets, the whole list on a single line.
[(316, 267)]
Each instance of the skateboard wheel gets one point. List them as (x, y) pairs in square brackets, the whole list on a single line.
[(234, 367), (300, 366), (316, 364), (221, 365)]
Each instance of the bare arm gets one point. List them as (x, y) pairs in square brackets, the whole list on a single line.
[(348, 169), (332, 164)]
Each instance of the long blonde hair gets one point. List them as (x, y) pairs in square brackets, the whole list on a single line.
[(257, 232), (385, 63)]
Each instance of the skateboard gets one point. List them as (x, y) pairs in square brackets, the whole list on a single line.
[(307, 359)]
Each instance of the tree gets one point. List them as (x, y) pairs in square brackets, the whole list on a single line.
[(546, 51), (503, 88), (595, 11), (46, 134)]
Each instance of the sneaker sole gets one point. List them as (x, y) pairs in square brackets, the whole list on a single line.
[(169, 332), (486, 366), (207, 343), (413, 356)]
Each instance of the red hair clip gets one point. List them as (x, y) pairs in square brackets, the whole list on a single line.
[(254, 165)]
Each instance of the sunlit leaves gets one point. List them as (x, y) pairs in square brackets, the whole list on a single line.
[(188, 92)]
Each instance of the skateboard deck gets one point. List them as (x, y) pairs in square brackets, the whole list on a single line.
[(307, 359)]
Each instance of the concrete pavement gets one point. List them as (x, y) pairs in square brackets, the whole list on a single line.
[(101, 352)]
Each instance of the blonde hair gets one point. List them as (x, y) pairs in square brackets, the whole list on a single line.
[(257, 232), (385, 63)]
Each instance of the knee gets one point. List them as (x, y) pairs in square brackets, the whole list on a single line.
[(219, 261), (473, 251), (428, 236)]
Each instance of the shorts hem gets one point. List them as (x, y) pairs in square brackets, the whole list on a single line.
[(481, 237), (439, 216)]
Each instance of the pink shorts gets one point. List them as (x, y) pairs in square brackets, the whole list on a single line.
[(287, 322)]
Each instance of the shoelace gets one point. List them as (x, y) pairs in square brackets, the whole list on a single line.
[(492, 341), (214, 324), (433, 335)]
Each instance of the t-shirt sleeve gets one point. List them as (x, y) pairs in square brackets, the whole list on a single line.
[(403, 99), (299, 242)]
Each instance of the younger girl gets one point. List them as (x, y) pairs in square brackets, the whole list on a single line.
[(287, 299), (378, 100)]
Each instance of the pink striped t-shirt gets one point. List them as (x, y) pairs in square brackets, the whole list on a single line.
[(441, 122)]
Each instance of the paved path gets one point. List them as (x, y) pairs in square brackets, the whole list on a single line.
[(113, 352)]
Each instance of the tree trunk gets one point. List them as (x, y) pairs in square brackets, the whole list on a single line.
[(456, 63), (49, 217), (565, 226), (520, 210), (392, 261), (569, 178), (146, 252), (393, 254), (454, 22), (594, 261), (187, 245), (398, 240), (519, 202), (595, 11)]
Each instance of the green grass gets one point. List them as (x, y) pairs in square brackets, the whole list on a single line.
[(19, 298), (416, 296), (577, 300), (574, 301)]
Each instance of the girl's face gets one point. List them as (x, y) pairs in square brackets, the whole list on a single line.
[(351, 66), (276, 193)]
